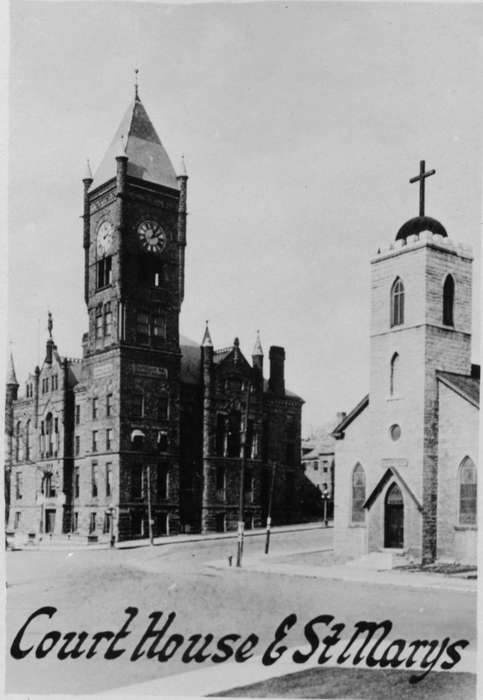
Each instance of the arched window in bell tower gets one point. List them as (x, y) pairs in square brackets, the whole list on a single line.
[(397, 302), (448, 301), (394, 378)]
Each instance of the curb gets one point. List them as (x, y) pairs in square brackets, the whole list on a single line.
[(173, 539), (337, 573)]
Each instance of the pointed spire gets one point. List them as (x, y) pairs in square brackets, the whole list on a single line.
[(87, 171), (50, 324), (11, 376), (207, 342), (182, 172), (257, 348), (136, 85), (147, 158)]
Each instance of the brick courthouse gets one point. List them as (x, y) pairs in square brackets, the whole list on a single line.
[(146, 417)]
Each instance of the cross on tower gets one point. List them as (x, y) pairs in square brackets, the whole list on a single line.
[(421, 178)]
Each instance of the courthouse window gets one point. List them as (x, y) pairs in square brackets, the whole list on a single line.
[(108, 479), (159, 326), (142, 325), (358, 494), (76, 482), (94, 480), (18, 485), (104, 272), (107, 319), (467, 492), (99, 322)]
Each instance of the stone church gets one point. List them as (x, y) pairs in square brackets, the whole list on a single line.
[(145, 434), (407, 454)]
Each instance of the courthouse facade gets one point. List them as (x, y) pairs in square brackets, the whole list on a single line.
[(146, 423)]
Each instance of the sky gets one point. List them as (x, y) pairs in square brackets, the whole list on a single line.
[(300, 123)]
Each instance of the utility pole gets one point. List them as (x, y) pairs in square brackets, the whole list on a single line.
[(150, 519), (269, 511), (241, 511), (325, 498)]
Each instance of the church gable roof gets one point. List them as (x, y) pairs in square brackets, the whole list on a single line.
[(388, 474), (147, 158), (339, 429), (467, 386)]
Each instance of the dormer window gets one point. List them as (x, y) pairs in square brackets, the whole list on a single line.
[(397, 303), (448, 301)]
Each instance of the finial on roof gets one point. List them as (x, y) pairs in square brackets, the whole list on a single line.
[(207, 342), (236, 342), (136, 86), (50, 325), (257, 349), (11, 376), (182, 172), (87, 171), (121, 147)]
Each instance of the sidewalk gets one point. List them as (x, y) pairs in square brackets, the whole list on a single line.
[(349, 572), (63, 543)]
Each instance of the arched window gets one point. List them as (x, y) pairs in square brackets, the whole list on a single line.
[(448, 301), (394, 379), (397, 302), (358, 494), (18, 432), (27, 440), (467, 492), (234, 428), (49, 425)]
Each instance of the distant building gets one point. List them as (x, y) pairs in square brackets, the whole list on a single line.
[(147, 422)]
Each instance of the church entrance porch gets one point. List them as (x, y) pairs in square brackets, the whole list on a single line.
[(394, 518)]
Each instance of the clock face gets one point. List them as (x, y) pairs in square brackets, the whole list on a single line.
[(152, 236), (104, 238)]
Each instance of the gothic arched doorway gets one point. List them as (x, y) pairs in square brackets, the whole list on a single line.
[(394, 518)]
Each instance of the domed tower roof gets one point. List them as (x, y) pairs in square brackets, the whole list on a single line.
[(419, 224), (422, 222)]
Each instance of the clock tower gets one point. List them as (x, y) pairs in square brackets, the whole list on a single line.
[(134, 239)]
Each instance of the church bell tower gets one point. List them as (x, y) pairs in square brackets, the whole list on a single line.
[(134, 240), (420, 324)]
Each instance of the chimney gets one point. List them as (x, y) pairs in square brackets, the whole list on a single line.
[(340, 415), (277, 360)]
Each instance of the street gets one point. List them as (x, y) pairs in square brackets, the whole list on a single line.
[(92, 589)]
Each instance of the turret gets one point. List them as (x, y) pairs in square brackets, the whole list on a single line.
[(87, 180), (257, 354), (206, 350), (11, 392), (207, 363), (182, 178), (121, 182), (49, 346)]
